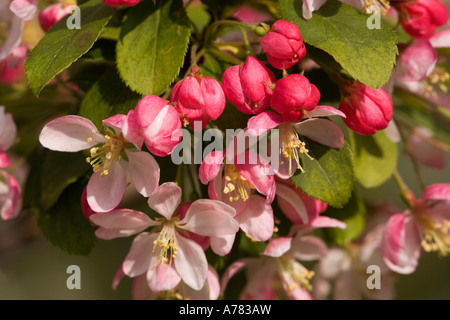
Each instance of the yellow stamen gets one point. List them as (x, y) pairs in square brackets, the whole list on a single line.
[(383, 5), (102, 157), (236, 186), (436, 81), (167, 243)]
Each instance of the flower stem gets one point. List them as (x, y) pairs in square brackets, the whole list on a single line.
[(406, 193)]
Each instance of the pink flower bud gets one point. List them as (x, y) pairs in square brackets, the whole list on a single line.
[(199, 98), (118, 3), (293, 95), (367, 110), (159, 124), (283, 45), (421, 18), (247, 86), (51, 15)]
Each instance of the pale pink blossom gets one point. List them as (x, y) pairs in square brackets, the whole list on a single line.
[(166, 242), (107, 185), (320, 130), (422, 146), (13, 25), (235, 184), (278, 265), (426, 224)]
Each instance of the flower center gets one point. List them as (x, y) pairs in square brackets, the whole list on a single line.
[(291, 146), (167, 244), (102, 157), (294, 274), (236, 186), (436, 81), (436, 236), (383, 5)]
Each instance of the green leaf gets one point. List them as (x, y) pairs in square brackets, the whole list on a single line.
[(107, 97), (65, 226), (152, 45), (61, 46), (368, 55), (329, 177), (375, 158), (353, 214), (59, 170)]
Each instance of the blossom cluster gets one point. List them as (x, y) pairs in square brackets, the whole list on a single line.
[(176, 242)]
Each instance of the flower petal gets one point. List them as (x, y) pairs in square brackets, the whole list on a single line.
[(104, 194), (441, 39), (12, 205), (24, 9), (120, 223), (308, 248), (210, 218), (232, 270), (401, 244), (191, 263), (222, 245), (144, 172), (70, 134), (165, 199), (139, 259), (210, 167), (278, 247), (325, 111), (291, 204), (323, 131), (259, 124), (256, 219), (8, 135), (439, 191), (417, 61)]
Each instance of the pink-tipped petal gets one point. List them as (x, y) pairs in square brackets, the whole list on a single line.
[(140, 289), (162, 278), (139, 259), (120, 223), (70, 134), (165, 199), (117, 277), (323, 131), (257, 125), (441, 39), (144, 172), (131, 130), (439, 191), (210, 218), (327, 222), (191, 263), (115, 122), (278, 247), (256, 218), (232, 270), (24, 9), (417, 62), (291, 204), (401, 244), (210, 167), (105, 193)]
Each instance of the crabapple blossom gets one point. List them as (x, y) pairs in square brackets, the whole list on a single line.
[(107, 185), (247, 86), (309, 6), (277, 266), (426, 224), (198, 98), (234, 184), (166, 242), (291, 146), (283, 45), (367, 110)]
